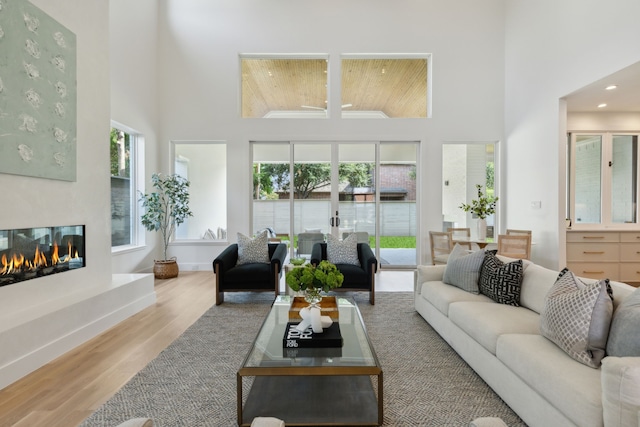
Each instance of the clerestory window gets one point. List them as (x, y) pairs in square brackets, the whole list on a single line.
[(371, 86)]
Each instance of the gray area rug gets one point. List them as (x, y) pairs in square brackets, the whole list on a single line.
[(193, 381)]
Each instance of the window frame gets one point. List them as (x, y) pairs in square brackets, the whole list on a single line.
[(334, 108), (175, 241), (395, 56), (470, 188), (606, 180), (287, 114), (136, 141)]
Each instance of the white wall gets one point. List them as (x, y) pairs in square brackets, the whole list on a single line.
[(601, 122), (552, 49), (44, 317), (43, 202), (134, 102), (199, 80)]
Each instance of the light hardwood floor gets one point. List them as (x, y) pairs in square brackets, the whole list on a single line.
[(69, 389)]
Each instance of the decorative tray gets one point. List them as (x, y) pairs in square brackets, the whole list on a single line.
[(328, 307)]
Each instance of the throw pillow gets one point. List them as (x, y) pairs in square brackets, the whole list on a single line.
[(623, 335), (343, 251), (501, 281), (254, 250), (577, 316), (463, 269)]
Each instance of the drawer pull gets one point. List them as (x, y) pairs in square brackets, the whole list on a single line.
[(593, 252), (593, 237), (593, 272)]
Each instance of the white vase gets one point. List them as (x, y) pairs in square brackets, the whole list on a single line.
[(482, 229)]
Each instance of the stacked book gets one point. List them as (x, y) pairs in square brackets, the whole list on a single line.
[(310, 344)]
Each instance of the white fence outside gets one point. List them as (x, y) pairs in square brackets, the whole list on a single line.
[(396, 218)]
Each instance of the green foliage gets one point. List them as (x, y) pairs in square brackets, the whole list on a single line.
[(119, 137), (402, 242), (307, 177), (262, 184), (167, 207), (481, 207), (491, 174), (325, 277)]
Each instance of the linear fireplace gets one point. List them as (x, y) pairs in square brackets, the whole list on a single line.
[(28, 253)]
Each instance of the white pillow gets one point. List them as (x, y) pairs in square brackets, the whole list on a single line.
[(463, 269), (254, 250), (343, 251)]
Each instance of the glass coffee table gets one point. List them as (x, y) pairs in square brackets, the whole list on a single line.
[(306, 387)]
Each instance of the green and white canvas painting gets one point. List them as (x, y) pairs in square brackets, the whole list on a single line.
[(37, 93)]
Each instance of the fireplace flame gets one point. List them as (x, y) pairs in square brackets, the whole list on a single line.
[(18, 263)]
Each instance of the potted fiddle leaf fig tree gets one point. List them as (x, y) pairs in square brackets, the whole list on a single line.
[(165, 209)]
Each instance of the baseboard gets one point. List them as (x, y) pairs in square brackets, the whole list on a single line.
[(194, 266), (33, 344)]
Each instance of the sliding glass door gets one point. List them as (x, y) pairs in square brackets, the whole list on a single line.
[(304, 191), (356, 210), (398, 195), (312, 195)]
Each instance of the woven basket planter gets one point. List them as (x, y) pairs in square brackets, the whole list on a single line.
[(165, 269)]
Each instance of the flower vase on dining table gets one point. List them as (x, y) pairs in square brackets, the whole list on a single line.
[(482, 228)]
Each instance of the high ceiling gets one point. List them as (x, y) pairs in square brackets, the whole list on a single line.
[(395, 87)]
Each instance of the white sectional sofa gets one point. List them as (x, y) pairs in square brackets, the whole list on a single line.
[(536, 378)]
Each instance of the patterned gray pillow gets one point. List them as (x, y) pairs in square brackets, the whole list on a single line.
[(623, 336), (501, 281), (254, 250), (343, 251), (577, 316), (463, 269)]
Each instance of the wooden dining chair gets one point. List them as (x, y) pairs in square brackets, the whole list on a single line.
[(463, 233), (441, 245), (518, 232), (514, 245)]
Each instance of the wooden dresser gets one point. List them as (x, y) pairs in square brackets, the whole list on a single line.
[(605, 254)]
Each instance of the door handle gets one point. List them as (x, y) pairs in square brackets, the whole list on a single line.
[(335, 220)]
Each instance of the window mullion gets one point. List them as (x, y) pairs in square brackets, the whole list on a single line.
[(607, 191)]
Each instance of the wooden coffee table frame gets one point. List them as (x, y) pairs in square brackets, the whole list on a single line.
[(304, 395)]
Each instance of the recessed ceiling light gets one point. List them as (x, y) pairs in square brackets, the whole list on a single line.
[(611, 87), (602, 105)]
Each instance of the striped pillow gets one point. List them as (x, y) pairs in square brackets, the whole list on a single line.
[(463, 269)]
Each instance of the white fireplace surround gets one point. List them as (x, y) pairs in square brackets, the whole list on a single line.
[(33, 334)]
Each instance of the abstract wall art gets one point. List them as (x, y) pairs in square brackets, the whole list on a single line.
[(38, 102)]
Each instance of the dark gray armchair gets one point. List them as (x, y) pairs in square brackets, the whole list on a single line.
[(356, 278), (260, 277)]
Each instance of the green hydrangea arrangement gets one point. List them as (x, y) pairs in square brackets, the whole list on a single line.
[(323, 277)]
